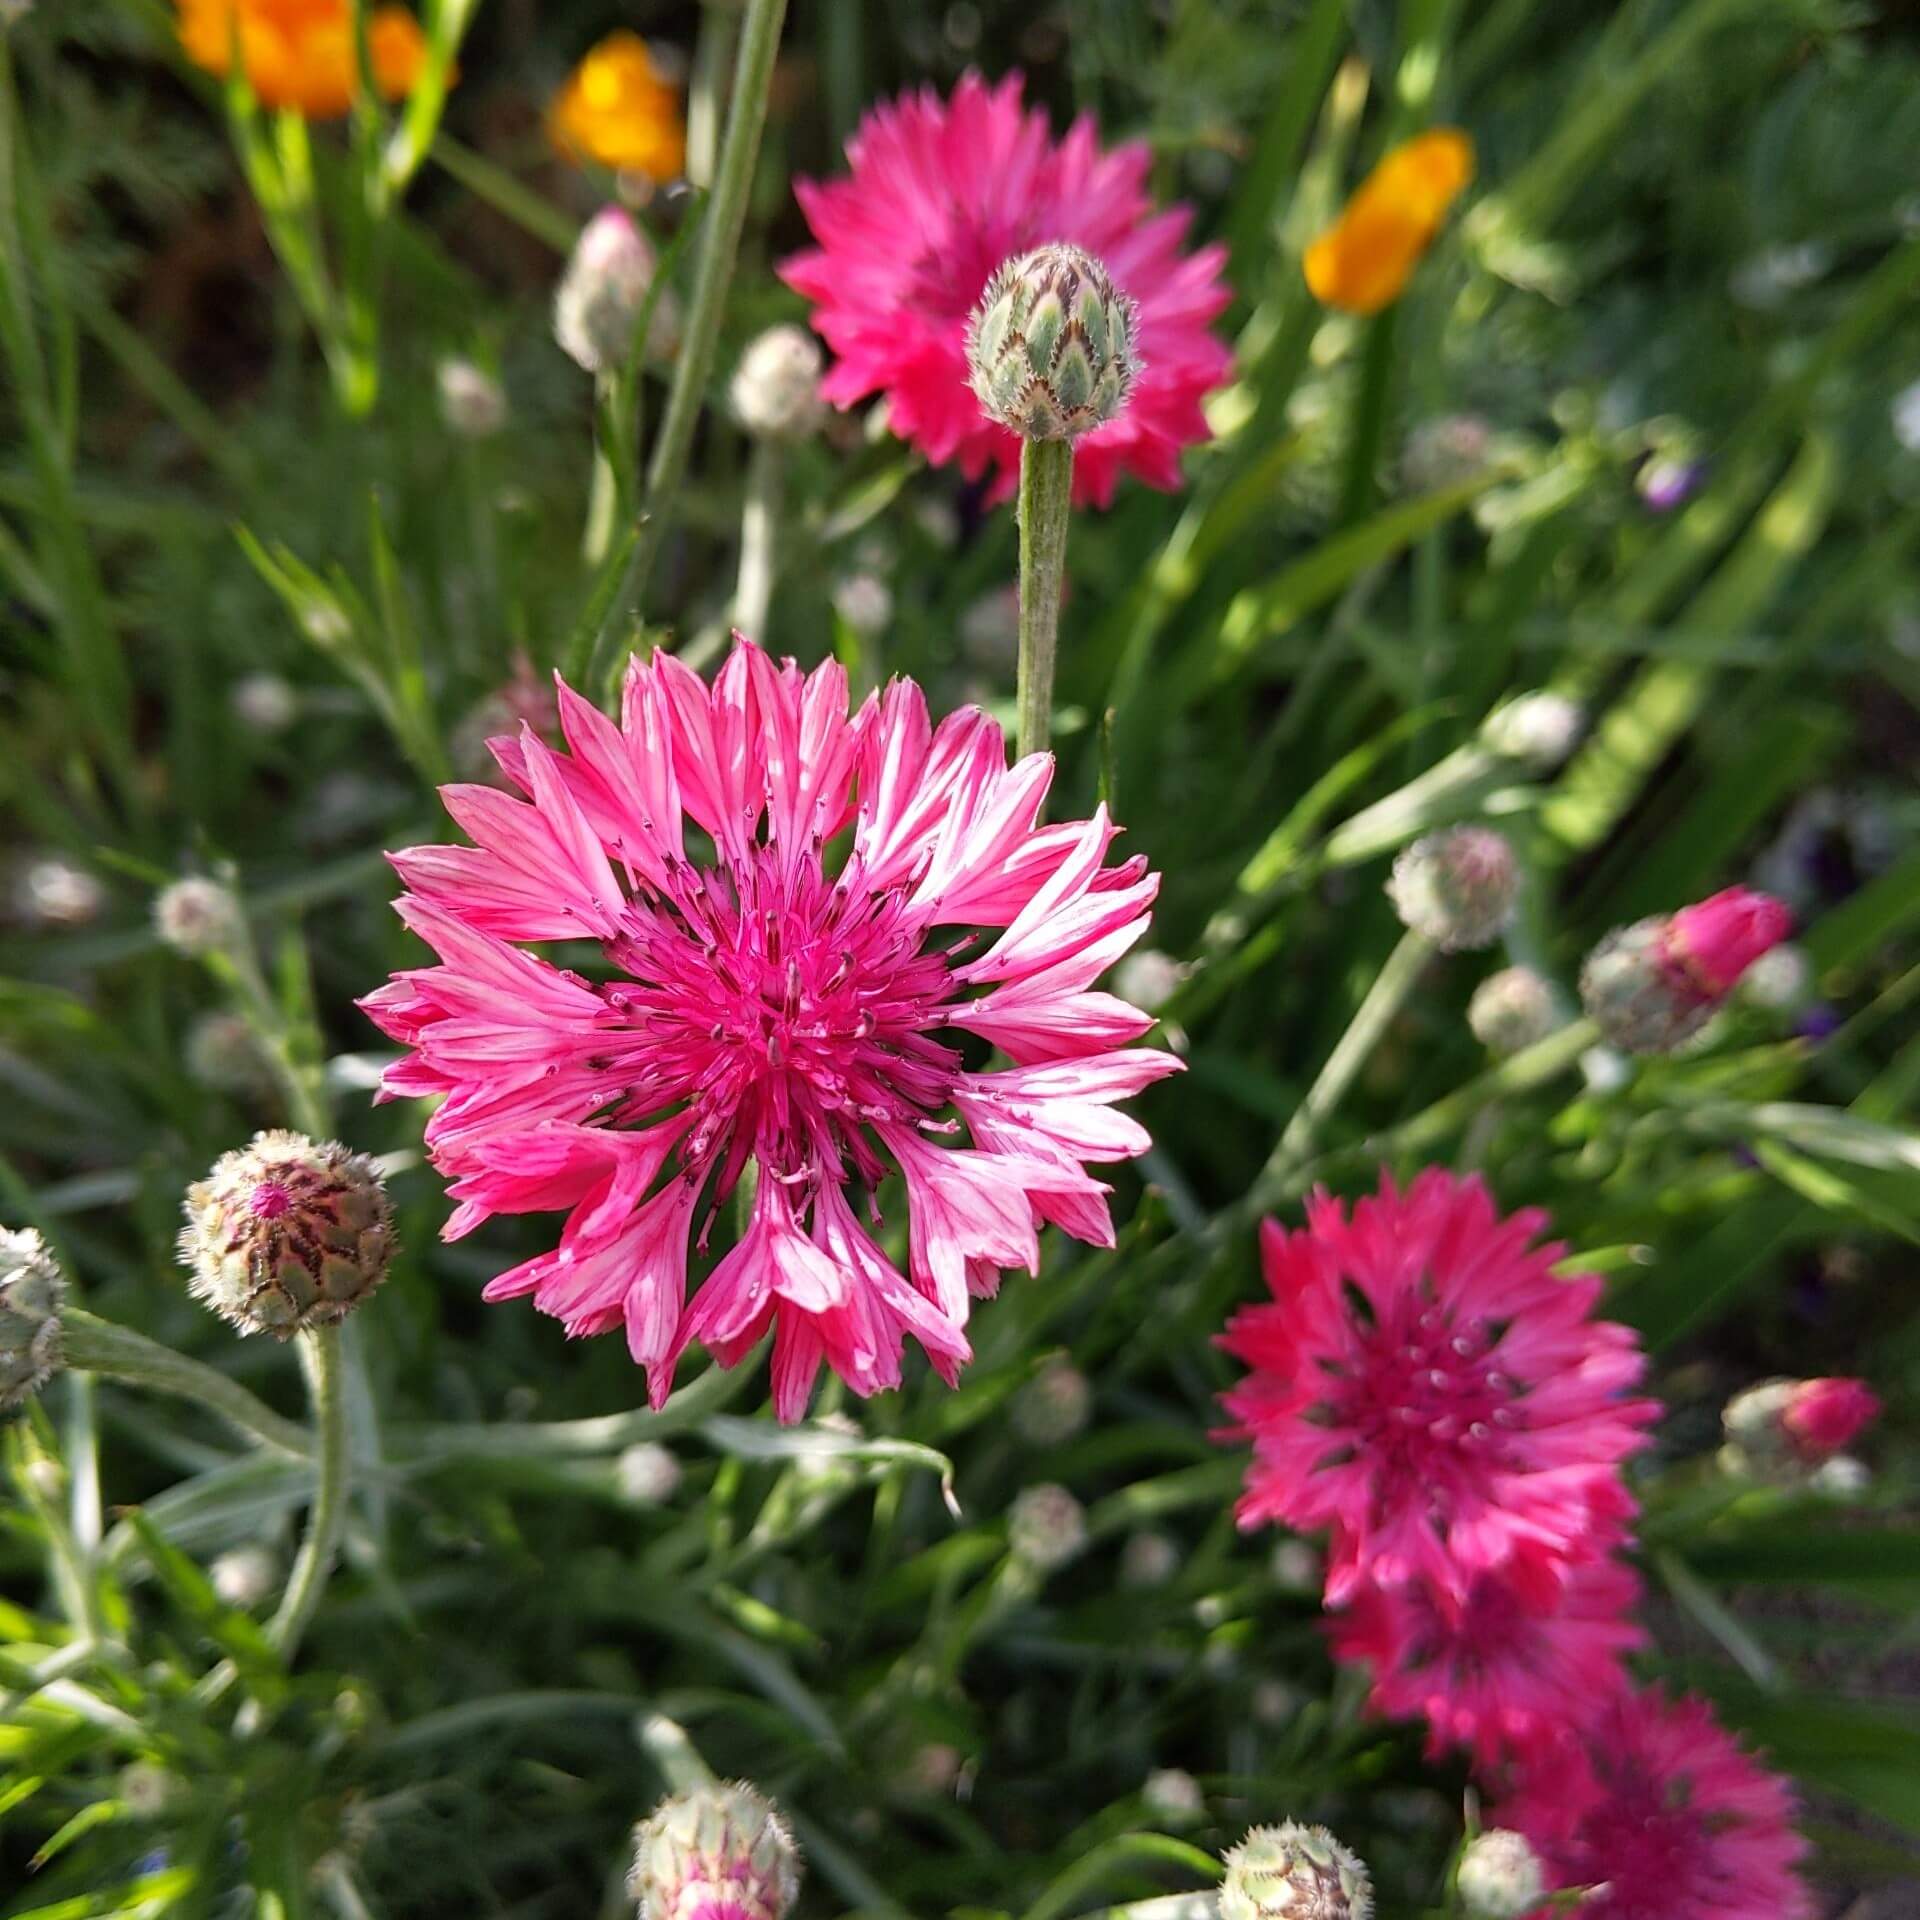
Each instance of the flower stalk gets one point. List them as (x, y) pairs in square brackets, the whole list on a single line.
[(1046, 497), (326, 1517), (713, 273)]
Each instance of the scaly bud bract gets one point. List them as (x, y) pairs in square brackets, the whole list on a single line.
[(1456, 888), (715, 1851), (31, 1291), (1294, 1872)]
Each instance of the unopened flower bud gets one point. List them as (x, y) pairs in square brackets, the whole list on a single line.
[(264, 703), (647, 1473), (1050, 346), (1149, 979), (224, 1054), (32, 1288), (1046, 1527), (865, 602), (1294, 1872), (776, 387), (52, 892), (1053, 1406), (198, 916), (602, 291), (1539, 728), (715, 1853), (1666, 482), (1653, 985), (1148, 1560), (1173, 1796), (1782, 1430), (285, 1234), (1511, 1010), (1843, 1478), (1456, 888), (473, 403), (245, 1577), (1501, 1877)]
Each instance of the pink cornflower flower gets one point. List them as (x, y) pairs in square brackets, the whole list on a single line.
[(1661, 1807), (1822, 1416), (1529, 1648), (1713, 942), (1425, 1386), (879, 892), (940, 193)]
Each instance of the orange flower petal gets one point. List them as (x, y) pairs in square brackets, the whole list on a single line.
[(1363, 262)]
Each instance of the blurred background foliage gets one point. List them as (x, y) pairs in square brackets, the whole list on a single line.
[(1695, 238)]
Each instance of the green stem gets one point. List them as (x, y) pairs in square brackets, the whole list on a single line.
[(1370, 1021), (1046, 498), (94, 1345), (719, 245), (759, 537), (1369, 419), (326, 1518), (505, 195)]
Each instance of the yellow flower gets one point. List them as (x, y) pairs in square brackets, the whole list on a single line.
[(299, 53), (618, 109), (1364, 260)]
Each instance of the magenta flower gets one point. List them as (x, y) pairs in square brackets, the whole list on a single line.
[(878, 889), (1822, 1416), (940, 193), (1425, 1385), (1530, 1648), (1712, 943), (1658, 1804)]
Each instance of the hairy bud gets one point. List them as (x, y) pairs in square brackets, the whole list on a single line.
[(198, 916), (715, 1853), (1456, 888), (32, 1288), (1511, 1010), (285, 1234), (1046, 1527), (776, 387), (473, 403), (1294, 1872), (1050, 346), (1500, 1876), (602, 291)]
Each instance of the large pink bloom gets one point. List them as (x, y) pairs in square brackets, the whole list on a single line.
[(1425, 1386), (797, 1003), (941, 192), (1661, 1805), (1531, 1648)]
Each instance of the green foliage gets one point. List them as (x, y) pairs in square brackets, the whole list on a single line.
[(1693, 237)]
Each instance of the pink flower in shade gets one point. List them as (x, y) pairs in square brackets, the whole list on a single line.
[(1425, 1386), (940, 193), (1822, 1416), (879, 890), (1529, 1648), (1712, 943), (1659, 1804)]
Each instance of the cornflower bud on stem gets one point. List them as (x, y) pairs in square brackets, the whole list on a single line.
[(1046, 495)]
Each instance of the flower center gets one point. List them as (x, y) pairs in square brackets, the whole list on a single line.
[(787, 1011), (1420, 1396), (1652, 1853), (946, 282), (270, 1199)]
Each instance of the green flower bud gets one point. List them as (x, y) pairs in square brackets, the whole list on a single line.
[(1294, 1872), (1050, 346), (284, 1234), (31, 1290)]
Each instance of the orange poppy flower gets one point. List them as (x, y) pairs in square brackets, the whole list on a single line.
[(1364, 260), (619, 109), (299, 53)]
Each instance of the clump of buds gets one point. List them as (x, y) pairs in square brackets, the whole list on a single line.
[(1294, 1872), (32, 1288), (285, 1234), (1500, 1876), (1456, 888), (714, 1853), (1046, 1527), (1785, 1430), (1651, 986), (1050, 346), (602, 291), (776, 387), (198, 916), (1512, 1010)]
